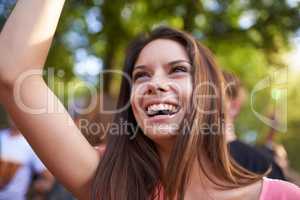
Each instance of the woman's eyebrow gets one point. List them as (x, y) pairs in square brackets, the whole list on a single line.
[(169, 63), (139, 67), (179, 61)]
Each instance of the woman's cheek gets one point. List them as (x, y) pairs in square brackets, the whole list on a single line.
[(134, 101), (186, 89)]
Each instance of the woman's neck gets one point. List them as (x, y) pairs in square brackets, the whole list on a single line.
[(164, 148)]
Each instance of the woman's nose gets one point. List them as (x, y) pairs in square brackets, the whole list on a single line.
[(158, 86)]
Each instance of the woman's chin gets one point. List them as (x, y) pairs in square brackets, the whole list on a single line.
[(161, 131)]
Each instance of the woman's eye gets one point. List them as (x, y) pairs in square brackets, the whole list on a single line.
[(140, 75), (179, 69)]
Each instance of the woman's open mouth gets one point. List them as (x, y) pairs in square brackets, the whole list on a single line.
[(161, 109)]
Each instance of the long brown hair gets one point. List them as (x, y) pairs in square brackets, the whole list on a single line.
[(131, 169)]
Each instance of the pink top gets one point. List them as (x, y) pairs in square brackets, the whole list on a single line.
[(275, 190), (279, 190)]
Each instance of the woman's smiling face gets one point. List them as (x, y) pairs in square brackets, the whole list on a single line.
[(162, 87)]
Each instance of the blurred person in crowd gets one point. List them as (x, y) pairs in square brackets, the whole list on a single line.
[(276, 151), (59, 192), (272, 149), (244, 154), (18, 165)]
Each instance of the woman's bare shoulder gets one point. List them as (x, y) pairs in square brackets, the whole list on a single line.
[(254, 190), (249, 192), (279, 189)]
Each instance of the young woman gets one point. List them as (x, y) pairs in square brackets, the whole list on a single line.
[(172, 144)]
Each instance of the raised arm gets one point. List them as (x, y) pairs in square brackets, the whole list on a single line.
[(24, 44)]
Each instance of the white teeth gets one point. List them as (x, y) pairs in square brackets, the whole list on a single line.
[(152, 109)]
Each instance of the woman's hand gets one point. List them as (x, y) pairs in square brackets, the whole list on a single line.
[(26, 37)]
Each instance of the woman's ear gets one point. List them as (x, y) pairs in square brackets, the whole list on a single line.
[(236, 104), (234, 108)]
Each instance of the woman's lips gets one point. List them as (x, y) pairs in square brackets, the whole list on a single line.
[(170, 99), (148, 102), (161, 118)]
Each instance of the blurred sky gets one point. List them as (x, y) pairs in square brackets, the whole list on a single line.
[(293, 57)]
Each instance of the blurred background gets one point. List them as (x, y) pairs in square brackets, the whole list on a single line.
[(257, 40)]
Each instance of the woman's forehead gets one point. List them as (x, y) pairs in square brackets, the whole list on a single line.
[(162, 51)]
